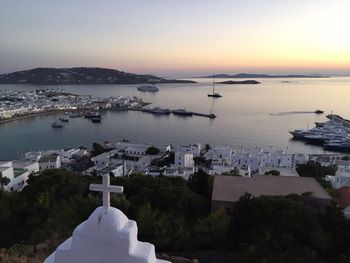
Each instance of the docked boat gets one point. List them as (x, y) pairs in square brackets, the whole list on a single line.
[(182, 112), (64, 120), (158, 110), (339, 146), (214, 94), (91, 115), (56, 125), (148, 88), (319, 124)]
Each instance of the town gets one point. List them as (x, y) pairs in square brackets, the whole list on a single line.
[(18, 104), (124, 158)]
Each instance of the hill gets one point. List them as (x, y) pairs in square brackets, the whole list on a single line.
[(247, 75), (80, 75), (233, 82)]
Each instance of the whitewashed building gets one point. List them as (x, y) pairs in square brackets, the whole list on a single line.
[(49, 162), (18, 177), (184, 160), (222, 155), (194, 149), (107, 236)]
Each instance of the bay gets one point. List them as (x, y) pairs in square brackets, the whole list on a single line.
[(247, 116)]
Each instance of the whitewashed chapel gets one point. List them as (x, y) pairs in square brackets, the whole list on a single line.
[(107, 236)]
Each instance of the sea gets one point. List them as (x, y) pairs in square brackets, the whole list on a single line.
[(247, 116)]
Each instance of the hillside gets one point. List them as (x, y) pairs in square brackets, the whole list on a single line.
[(80, 75)]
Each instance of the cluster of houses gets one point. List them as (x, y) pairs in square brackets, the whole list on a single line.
[(19, 103), (17, 171), (124, 158)]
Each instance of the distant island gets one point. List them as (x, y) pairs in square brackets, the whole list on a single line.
[(247, 75), (232, 82), (81, 75)]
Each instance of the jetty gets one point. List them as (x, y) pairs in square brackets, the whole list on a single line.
[(189, 113)]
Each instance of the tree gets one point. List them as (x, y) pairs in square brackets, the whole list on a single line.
[(315, 169), (152, 150), (201, 183), (98, 149), (207, 147), (273, 172), (234, 172), (4, 181)]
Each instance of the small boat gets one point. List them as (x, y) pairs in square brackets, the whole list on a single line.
[(75, 115), (64, 120), (96, 120), (56, 125), (214, 94), (91, 115), (148, 88), (318, 111), (182, 112)]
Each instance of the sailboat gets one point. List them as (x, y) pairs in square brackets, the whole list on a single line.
[(214, 94)]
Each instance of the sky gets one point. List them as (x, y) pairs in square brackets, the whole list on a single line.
[(177, 37)]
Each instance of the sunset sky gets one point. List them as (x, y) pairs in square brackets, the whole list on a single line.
[(177, 37)]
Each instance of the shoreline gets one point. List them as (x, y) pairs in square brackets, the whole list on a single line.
[(32, 115)]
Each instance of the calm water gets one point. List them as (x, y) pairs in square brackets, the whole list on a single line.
[(244, 116)]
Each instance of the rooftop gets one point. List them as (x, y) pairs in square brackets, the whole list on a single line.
[(47, 159), (231, 188)]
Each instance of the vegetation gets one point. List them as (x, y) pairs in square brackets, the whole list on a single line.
[(175, 215), (152, 150), (234, 172), (273, 172), (4, 181), (315, 169), (164, 161), (98, 149)]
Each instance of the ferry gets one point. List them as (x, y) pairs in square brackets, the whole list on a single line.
[(158, 110), (148, 88)]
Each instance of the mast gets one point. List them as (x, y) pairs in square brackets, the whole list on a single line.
[(213, 83)]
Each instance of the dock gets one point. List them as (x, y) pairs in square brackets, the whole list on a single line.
[(210, 115), (206, 115)]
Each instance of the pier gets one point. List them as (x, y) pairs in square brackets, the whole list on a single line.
[(190, 113)]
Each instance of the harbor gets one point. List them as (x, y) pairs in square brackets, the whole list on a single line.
[(332, 135), (242, 120)]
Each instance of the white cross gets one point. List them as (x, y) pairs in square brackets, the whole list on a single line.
[(106, 189)]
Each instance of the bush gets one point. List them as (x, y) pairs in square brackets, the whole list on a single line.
[(152, 150), (315, 169), (273, 172)]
